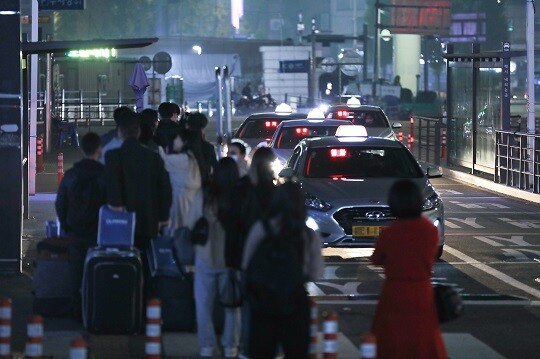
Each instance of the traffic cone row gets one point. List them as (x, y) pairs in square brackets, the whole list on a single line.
[(443, 143), (410, 137), (77, 349), (60, 166), (5, 328), (330, 335), (40, 165), (152, 348), (368, 347), (313, 330), (34, 338)]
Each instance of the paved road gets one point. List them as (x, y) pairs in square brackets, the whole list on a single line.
[(492, 254)]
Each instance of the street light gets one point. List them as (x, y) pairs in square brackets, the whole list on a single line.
[(197, 49)]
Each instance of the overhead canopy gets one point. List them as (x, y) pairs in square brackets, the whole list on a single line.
[(45, 47)]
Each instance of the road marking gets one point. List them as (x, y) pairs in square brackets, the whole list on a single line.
[(472, 234), (495, 273), (514, 240)]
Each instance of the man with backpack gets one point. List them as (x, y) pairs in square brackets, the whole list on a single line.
[(280, 255), (80, 195)]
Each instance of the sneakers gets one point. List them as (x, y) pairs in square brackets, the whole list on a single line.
[(207, 352), (230, 352)]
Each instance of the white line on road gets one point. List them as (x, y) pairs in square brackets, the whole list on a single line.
[(495, 273)]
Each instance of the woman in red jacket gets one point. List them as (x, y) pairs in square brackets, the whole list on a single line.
[(406, 323)]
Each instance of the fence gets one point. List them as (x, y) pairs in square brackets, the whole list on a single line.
[(426, 139), (517, 160)]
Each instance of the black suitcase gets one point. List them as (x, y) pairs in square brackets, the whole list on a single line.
[(112, 291), (177, 302), (51, 281)]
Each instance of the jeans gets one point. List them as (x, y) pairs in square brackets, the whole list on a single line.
[(207, 282)]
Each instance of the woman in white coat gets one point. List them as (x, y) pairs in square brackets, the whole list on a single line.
[(210, 269), (187, 173)]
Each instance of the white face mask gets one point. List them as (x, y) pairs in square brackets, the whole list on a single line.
[(234, 157)]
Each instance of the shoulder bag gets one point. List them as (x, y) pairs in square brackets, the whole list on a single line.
[(448, 302)]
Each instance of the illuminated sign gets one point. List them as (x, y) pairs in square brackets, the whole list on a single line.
[(61, 4), (92, 53), (423, 17)]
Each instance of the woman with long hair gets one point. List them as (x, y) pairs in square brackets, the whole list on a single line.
[(286, 220), (188, 175), (406, 323), (210, 269)]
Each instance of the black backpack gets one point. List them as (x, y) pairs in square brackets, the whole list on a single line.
[(85, 196), (274, 276)]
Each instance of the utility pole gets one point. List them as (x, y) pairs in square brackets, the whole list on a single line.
[(300, 28), (313, 65), (376, 49)]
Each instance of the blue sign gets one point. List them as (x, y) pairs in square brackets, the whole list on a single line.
[(61, 4), (294, 66)]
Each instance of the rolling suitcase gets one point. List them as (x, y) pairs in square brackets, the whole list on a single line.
[(172, 285), (51, 281), (112, 291)]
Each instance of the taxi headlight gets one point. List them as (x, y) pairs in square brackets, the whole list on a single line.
[(310, 223), (277, 166), (431, 202), (317, 204)]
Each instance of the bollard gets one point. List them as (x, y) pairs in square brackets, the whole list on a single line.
[(443, 143), (77, 349), (40, 165), (368, 347), (60, 167), (330, 329), (5, 328), (34, 340), (152, 347), (313, 330), (400, 135)]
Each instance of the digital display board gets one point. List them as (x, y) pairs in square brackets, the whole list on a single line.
[(61, 4)]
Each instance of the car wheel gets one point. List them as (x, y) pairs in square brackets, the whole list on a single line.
[(439, 252)]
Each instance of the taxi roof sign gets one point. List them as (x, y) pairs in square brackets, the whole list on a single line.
[(351, 131), (354, 102), (316, 113), (283, 108)]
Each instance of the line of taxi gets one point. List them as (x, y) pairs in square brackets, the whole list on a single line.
[(346, 165)]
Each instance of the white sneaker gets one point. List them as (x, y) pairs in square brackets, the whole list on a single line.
[(207, 352), (230, 352)]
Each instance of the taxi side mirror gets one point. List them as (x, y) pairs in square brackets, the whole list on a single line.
[(434, 172), (286, 173)]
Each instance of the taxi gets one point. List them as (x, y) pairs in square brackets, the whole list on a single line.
[(259, 128), (289, 133), (347, 178), (372, 118)]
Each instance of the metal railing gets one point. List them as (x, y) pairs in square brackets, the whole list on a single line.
[(517, 160), (427, 139)]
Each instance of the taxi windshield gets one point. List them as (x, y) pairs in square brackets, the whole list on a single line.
[(260, 128), (361, 162), (289, 137)]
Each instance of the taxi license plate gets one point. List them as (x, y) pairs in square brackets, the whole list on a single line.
[(366, 231)]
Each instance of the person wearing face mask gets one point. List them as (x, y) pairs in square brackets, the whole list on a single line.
[(237, 151)]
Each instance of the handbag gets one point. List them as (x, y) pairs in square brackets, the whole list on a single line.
[(182, 246), (199, 233), (231, 291), (448, 302), (161, 259)]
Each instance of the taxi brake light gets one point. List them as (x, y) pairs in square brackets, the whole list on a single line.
[(270, 124), (302, 131), (338, 152), (342, 114)]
